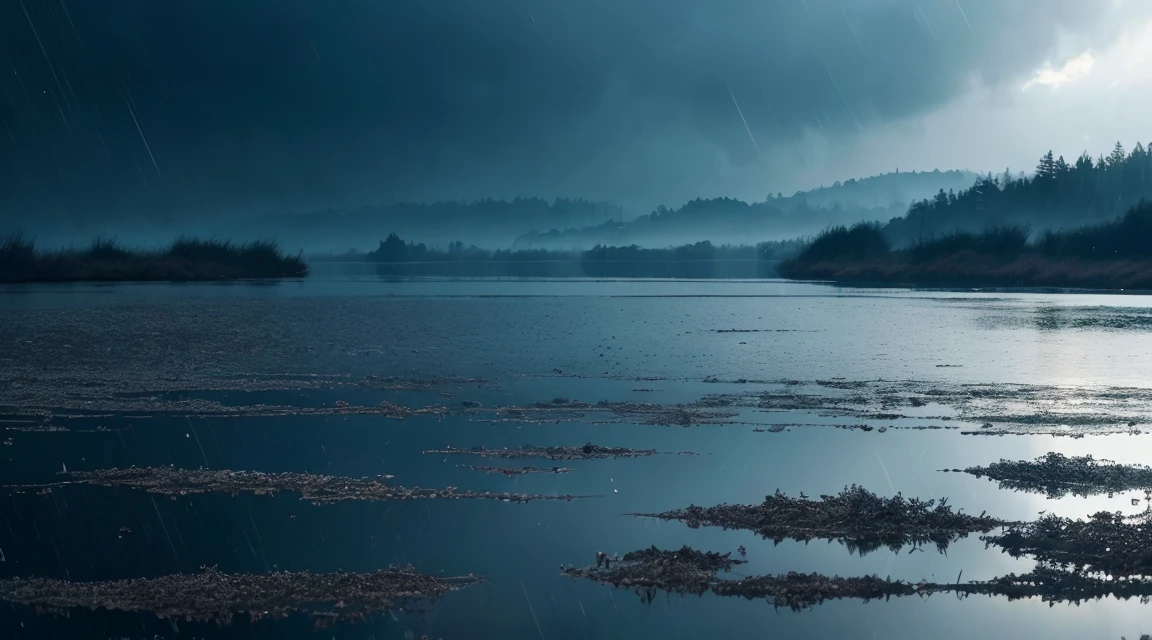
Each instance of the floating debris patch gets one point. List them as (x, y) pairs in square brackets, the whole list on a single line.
[(979, 409), (1106, 542), (39, 428), (688, 571), (315, 488), (217, 597), (650, 413), (856, 517), (1001, 409), (397, 383), (37, 393), (1057, 475), (683, 571), (587, 452), (766, 331), (514, 471), (398, 411)]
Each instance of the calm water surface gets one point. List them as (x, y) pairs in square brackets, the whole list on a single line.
[(519, 330)]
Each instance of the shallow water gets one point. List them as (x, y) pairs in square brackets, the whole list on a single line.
[(534, 341)]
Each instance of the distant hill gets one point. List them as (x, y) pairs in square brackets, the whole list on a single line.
[(884, 189), (488, 223), (779, 217), (535, 223)]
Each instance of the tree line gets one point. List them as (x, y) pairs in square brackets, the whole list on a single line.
[(1059, 194), (395, 257)]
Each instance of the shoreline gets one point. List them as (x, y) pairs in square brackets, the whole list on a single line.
[(185, 260), (971, 271)]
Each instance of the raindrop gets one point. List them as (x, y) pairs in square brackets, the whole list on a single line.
[(965, 16), (741, 113)]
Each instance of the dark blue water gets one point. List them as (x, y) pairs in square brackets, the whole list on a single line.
[(75, 532)]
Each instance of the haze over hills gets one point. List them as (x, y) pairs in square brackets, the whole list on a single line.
[(884, 189), (913, 205), (486, 223), (1058, 194), (538, 223), (779, 217), (498, 224)]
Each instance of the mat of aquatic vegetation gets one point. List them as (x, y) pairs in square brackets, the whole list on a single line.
[(587, 452), (685, 570), (215, 596), (315, 488), (1105, 542), (1058, 475), (856, 517), (688, 571), (514, 471), (30, 385)]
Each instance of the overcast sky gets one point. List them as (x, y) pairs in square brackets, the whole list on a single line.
[(221, 106)]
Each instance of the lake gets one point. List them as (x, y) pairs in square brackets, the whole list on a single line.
[(146, 374)]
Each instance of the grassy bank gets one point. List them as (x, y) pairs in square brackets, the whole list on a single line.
[(184, 260), (1115, 255)]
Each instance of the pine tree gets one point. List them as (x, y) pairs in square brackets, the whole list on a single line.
[(1046, 170), (1117, 157), (1084, 162), (941, 200)]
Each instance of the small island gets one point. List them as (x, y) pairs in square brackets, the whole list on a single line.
[(185, 260)]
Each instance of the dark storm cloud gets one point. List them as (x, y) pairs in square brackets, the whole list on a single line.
[(200, 106)]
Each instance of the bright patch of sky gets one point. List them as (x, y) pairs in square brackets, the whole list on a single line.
[(1071, 71), (1086, 100)]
